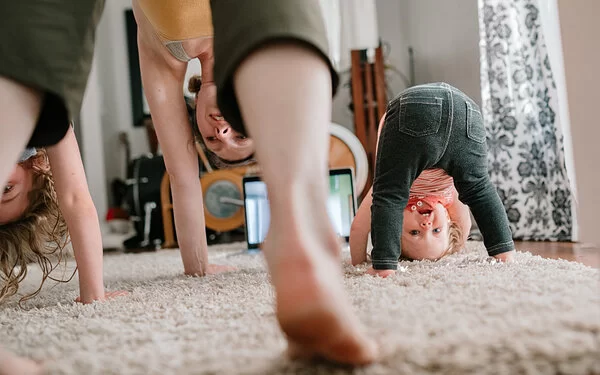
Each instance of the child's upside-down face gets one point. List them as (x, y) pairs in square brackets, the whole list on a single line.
[(425, 233), (15, 195)]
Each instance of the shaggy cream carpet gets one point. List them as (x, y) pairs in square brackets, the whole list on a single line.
[(462, 315)]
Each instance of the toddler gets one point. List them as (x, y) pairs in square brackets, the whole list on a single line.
[(438, 129)]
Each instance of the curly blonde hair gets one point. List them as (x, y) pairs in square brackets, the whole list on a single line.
[(455, 242), (194, 85), (39, 236)]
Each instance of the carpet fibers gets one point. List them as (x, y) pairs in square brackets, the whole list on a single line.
[(464, 314)]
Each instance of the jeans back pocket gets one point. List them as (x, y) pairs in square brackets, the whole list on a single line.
[(475, 127), (420, 116)]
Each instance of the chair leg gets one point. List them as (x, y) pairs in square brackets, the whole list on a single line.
[(167, 213)]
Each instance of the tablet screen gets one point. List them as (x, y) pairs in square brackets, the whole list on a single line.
[(341, 205)]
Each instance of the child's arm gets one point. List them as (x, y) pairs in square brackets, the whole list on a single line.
[(359, 236), (359, 232), (80, 215)]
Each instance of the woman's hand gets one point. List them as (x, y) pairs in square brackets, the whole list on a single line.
[(213, 269), (107, 295)]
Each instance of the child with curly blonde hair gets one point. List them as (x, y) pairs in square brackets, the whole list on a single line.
[(31, 226), (45, 205)]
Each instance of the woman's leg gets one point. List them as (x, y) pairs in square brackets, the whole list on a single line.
[(288, 116), (19, 110)]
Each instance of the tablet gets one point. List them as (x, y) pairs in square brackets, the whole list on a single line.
[(341, 205)]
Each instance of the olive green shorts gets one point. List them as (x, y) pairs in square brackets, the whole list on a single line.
[(240, 27), (49, 45)]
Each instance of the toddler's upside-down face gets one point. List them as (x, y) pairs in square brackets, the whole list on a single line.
[(425, 232)]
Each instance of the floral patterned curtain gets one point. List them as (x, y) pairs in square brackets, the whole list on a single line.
[(526, 153)]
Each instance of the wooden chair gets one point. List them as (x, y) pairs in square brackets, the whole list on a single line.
[(370, 101)]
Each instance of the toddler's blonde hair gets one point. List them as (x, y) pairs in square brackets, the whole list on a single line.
[(455, 236)]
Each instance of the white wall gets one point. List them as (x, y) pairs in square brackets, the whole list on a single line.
[(90, 134), (113, 73), (445, 38), (579, 31), (392, 32)]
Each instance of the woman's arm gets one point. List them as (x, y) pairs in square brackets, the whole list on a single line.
[(80, 214), (162, 78), (163, 86)]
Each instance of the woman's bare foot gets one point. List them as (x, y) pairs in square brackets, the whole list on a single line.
[(302, 252), (287, 115)]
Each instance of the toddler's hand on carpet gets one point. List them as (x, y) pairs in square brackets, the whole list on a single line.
[(507, 257), (107, 295), (381, 273)]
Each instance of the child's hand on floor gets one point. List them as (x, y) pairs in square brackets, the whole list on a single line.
[(107, 295), (381, 273), (507, 257)]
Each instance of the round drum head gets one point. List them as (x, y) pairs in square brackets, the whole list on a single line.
[(345, 150), (219, 215), (215, 192)]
